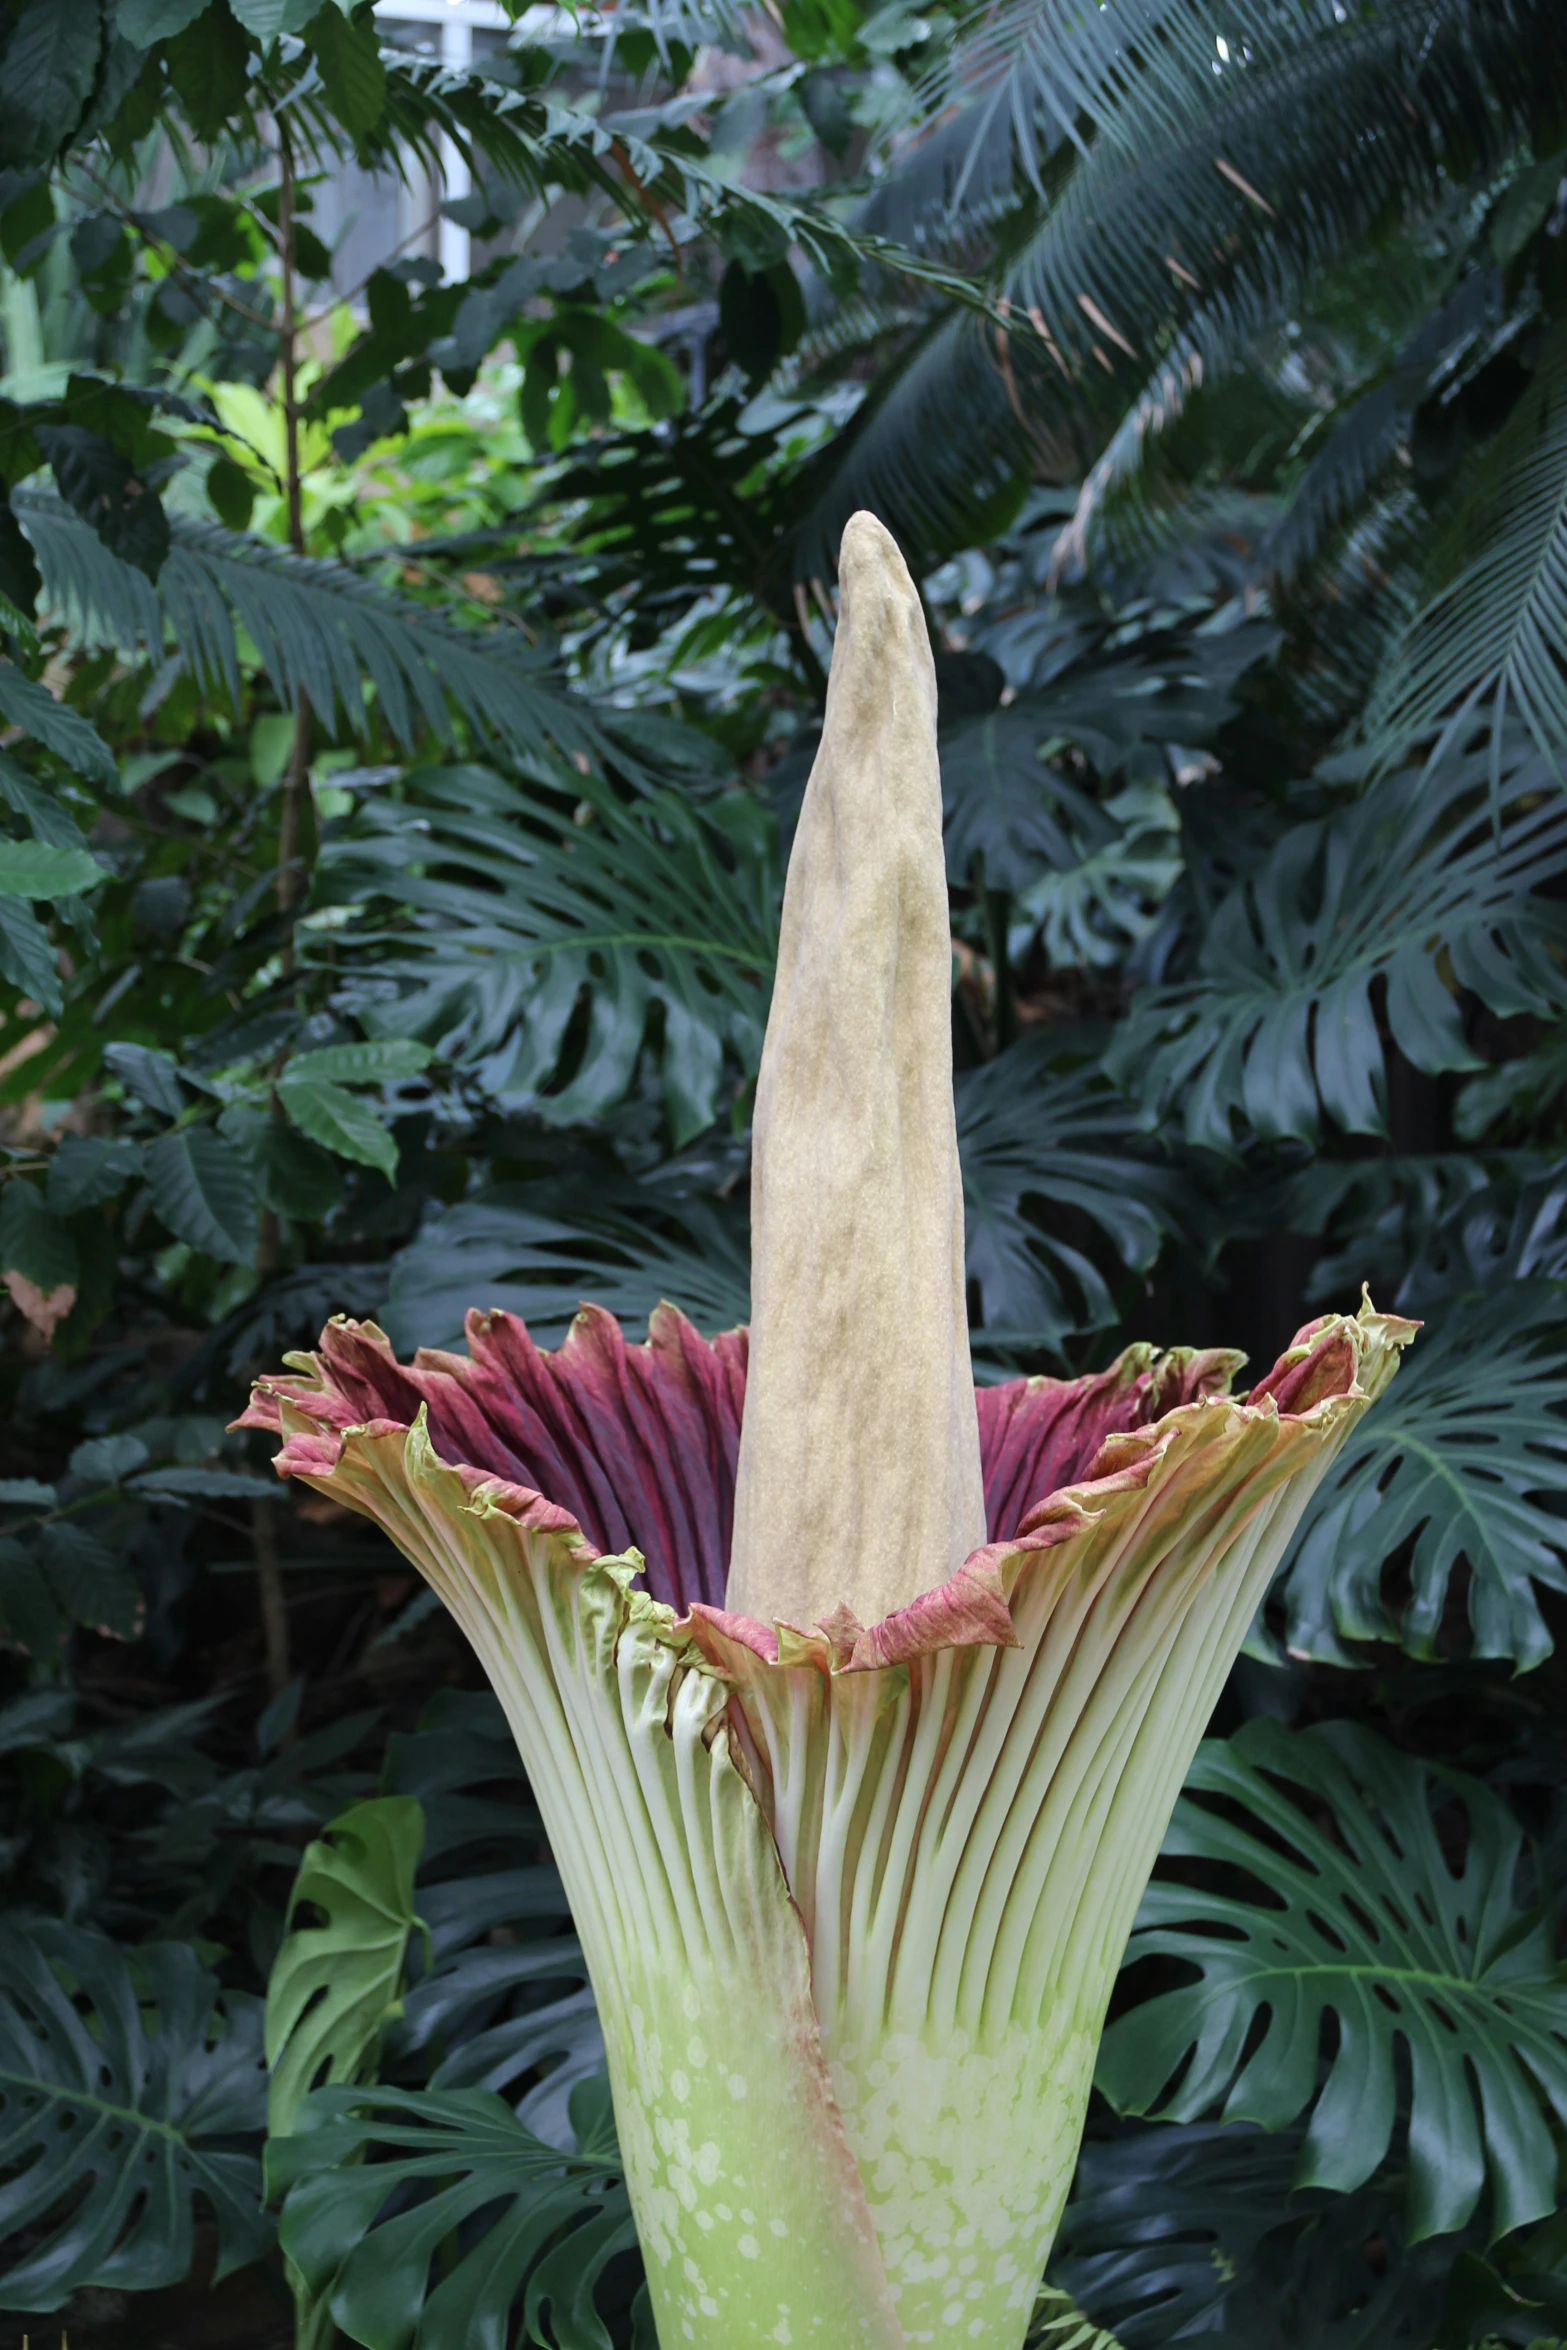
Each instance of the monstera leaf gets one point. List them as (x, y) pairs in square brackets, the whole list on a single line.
[(334, 1985), (1463, 1460), (1053, 1178), (1423, 883), (421, 2217), (538, 1250), (129, 2084), (1175, 2235), (655, 917), (1360, 1917)]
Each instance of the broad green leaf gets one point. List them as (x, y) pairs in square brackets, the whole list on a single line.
[(266, 19), (28, 1492), (126, 2100), (51, 62), (1464, 1459), (1362, 1917), (209, 1483), (146, 21), (31, 869), (97, 478), (382, 1059), (338, 1120), (207, 62), (88, 1583), (201, 1188), (34, 1241), (87, 1169), (107, 1460), (367, 2234), (539, 1251), (334, 1986), (62, 730), (352, 74), (30, 1617), (151, 1075), (28, 957), (294, 1177)]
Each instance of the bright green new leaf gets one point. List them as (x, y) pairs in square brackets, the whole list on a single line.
[(339, 1120), (334, 1986), (202, 1190), (1362, 1917), (31, 869), (1464, 1459), (129, 2083)]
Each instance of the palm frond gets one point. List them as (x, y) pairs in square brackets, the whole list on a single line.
[(1485, 652), (318, 628), (1212, 190), (1357, 444)]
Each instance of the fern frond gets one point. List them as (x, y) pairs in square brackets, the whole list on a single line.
[(318, 628)]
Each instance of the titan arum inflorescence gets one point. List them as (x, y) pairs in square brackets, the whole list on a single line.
[(855, 1704)]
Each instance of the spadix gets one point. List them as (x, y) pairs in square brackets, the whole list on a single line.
[(854, 1822)]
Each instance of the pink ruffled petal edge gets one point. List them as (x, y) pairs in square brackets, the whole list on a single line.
[(1036, 1423)]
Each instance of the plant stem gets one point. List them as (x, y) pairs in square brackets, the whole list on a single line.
[(291, 881), (269, 1579)]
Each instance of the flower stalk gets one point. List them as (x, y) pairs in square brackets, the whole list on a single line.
[(855, 1704)]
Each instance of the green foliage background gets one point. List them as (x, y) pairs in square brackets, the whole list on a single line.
[(406, 690)]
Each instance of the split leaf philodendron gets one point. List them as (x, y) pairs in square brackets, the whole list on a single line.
[(856, 1764)]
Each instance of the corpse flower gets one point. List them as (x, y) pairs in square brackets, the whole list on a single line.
[(855, 1704)]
